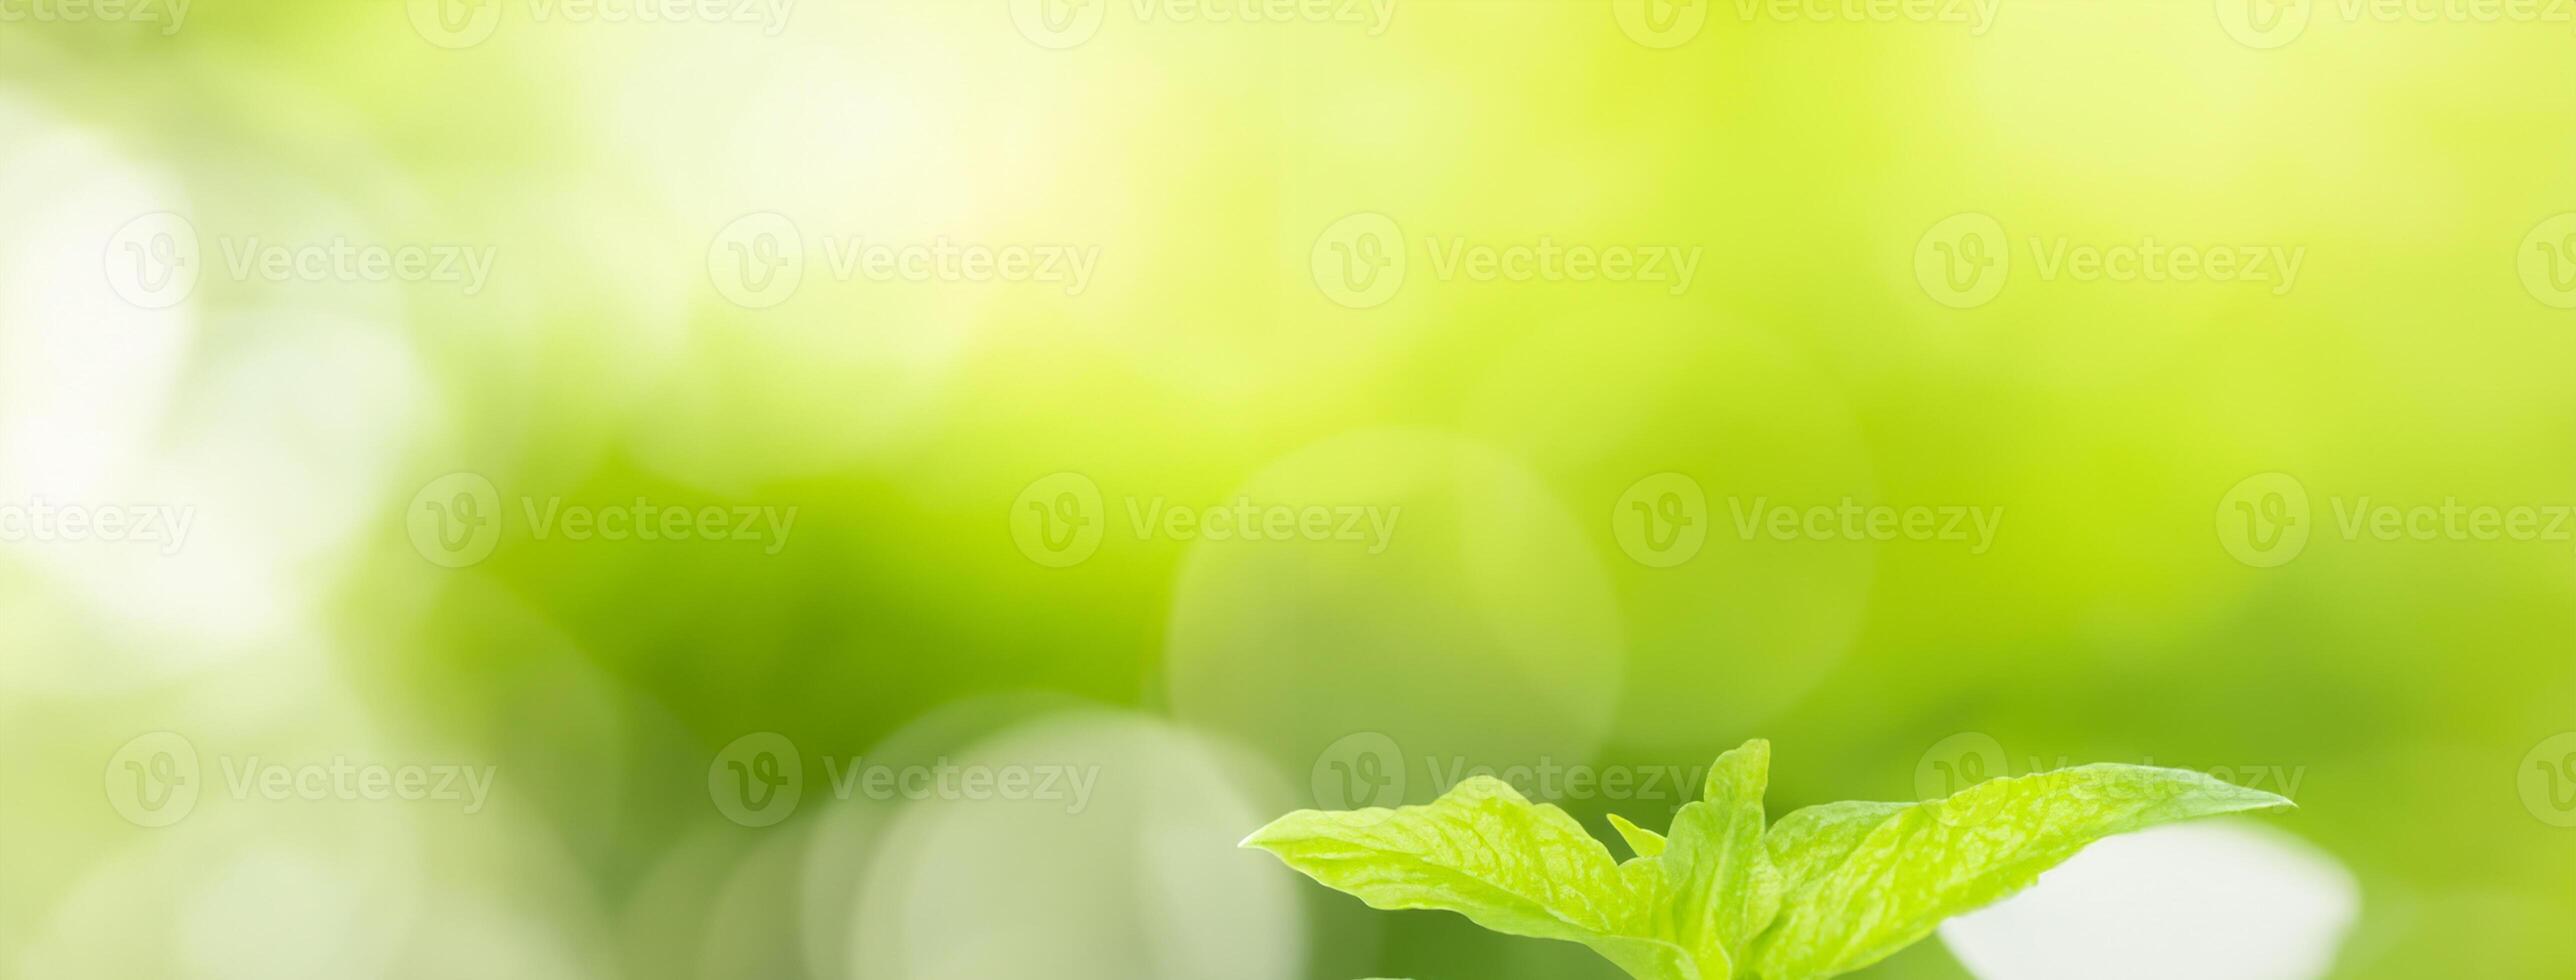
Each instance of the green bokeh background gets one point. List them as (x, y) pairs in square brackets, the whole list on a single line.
[(2409, 682)]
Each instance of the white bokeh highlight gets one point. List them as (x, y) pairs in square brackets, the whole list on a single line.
[(1145, 882), (240, 891), (260, 432), (2210, 901)]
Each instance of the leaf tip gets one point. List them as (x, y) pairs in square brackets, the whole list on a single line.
[(1269, 834), (1744, 771)]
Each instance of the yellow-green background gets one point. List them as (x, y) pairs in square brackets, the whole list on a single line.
[(2408, 680)]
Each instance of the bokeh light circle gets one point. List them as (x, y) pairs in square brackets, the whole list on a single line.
[(1133, 875), (1465, 616)]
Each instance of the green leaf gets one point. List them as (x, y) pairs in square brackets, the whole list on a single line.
[(1654, 896), (1484, 852), (1645, 842), (1864, 880), (1725, 890), (1807, 843)]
